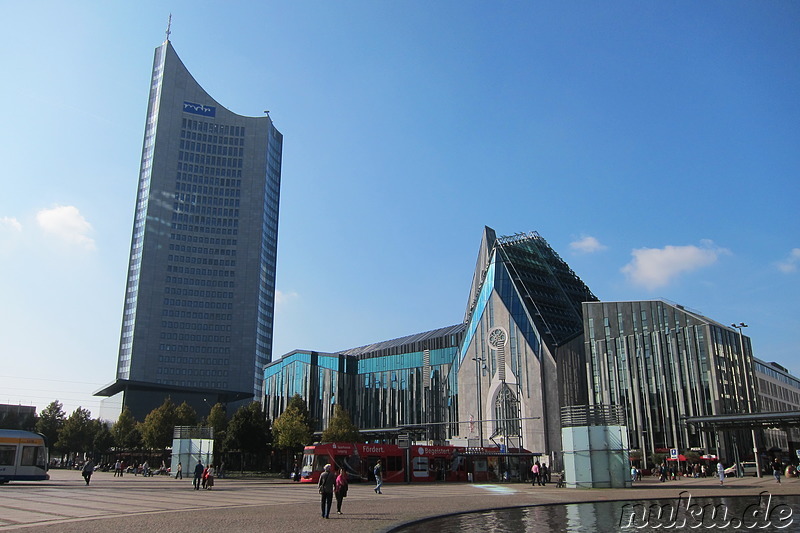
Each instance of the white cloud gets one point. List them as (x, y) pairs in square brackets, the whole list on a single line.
[(587, 245), (789, 264), (10, 223), (66, 223), (657, 267), (284, 298)]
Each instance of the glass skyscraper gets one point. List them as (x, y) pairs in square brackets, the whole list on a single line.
[(199, 298)]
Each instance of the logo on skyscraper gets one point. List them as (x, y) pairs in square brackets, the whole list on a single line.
[(199, 109)]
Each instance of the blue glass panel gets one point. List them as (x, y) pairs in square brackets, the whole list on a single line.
[(483, 297), (331, 362), (508, 293), (392, 362), (278, 366)]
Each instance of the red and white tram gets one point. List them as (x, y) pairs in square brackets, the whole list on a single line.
[(416, 463)]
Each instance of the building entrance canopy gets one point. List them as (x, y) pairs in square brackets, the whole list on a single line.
[(784, 419)]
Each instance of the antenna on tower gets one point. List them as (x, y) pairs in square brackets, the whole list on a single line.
[(169, 25)]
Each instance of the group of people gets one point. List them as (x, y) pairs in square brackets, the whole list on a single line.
[(330, 485), (540, 474), (203, 476), (120, 467)]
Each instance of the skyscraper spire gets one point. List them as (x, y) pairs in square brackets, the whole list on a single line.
[(169, 25)]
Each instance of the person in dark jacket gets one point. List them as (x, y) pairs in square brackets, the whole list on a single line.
[(326, 483), (777, 469), (198, 475)]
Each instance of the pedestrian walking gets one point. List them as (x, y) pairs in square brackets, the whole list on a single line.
[(777, 467), (544, 474), (721, 472), (88, 470), (378, 471), (198, 475), (535, 474), (118, 468), (296, 471), (209, 477), (340, 489), (179, 472), (326, 484)]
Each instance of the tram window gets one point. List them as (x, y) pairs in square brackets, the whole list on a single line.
[(321, 461), (7, 454), (29, 455)]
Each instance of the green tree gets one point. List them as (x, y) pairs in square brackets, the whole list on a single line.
[(291, 430), (51, 420), (103, 440), (296, 402), (185, 415), (658, 458), (341, 427), (134, 441), (77, 434), (248, 432), (158, 426), (218, 419), (122, 429)]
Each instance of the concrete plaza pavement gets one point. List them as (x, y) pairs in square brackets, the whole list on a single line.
[(163, 504)]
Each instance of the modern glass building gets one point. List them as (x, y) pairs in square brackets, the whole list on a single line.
[(199, 299), (778, 390), (535, 343), (661, 362), (406, 383), (492, 380)]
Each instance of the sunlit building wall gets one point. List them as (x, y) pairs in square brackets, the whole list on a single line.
[(524, 310), (778, 390), (661, 362)]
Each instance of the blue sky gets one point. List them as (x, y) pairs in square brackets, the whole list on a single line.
[(656, 146)]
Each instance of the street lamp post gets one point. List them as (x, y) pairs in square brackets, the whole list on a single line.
[(746, 370)]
